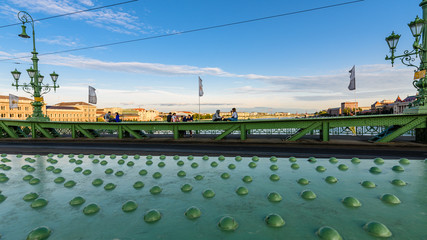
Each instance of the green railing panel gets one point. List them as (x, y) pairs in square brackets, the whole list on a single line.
[(304, 131), (413, 124), (43, 131), (84, 131), (227, 132), (131, 132), (222, 129), (9, 131)]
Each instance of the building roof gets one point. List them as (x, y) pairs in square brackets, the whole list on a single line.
[(61, 108), (398, 99), (20, 98), (409, 99), (73, 103), (386, 101)]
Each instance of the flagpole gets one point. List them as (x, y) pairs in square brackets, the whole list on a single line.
[(355, 100), (200, 93), (88, 118), (352, 86)]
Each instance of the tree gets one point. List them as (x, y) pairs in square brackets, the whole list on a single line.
[(348, 111), (323, 113)]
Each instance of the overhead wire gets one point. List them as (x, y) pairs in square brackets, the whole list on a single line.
[(196, 29)]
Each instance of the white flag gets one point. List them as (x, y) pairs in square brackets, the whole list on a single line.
[(352, 85), (92, 95), (200, 87), (13, 101)]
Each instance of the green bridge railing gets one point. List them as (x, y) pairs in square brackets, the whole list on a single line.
[(393, 126)]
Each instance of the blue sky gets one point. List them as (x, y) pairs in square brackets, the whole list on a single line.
[(294, 63)]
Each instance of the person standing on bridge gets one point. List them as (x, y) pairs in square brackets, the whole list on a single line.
[(189, 119), (169, 117), (175, 118)]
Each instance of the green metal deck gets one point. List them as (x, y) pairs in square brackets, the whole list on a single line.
[(260, 198)]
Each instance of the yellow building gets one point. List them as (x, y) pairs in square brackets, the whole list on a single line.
[(149, 114), (24, 110), (72, 112)]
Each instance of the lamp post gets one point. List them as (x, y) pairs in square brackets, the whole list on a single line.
[(418, 29), (36, 87)]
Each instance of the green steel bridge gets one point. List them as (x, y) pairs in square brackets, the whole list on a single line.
[(387, 128)]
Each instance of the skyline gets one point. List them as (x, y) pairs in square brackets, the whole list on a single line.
[(272, 65)]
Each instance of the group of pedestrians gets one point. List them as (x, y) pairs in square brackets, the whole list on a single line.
[(109, 118), (174, 118)]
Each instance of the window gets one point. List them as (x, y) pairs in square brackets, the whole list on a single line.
[(3, 108)]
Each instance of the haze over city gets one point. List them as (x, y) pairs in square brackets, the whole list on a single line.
[(294, 63)]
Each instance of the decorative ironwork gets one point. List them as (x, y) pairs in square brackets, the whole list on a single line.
[(407, 57), (385, 128), (418, 28), (36, 87)]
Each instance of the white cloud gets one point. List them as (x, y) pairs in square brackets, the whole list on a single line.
[(59, 40), (132, 67), (8, 12), (87, 2), (5, 54), (117, 21), (368, 77), (248, 91)]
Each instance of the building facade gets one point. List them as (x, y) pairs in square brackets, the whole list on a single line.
[(400, 105), (334, 111), (149, 114), (24, 110), (72, 112), (349, 105)]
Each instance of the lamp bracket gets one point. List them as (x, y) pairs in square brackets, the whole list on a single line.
[(28, 89), (408, 59), (45, 89)]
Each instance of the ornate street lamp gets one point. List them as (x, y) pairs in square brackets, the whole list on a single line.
[(36, 87), (419, 49)]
